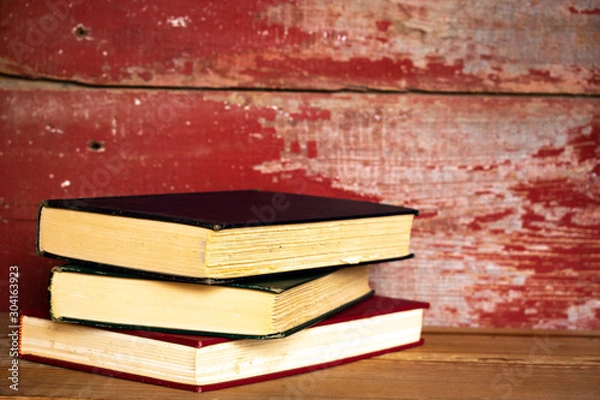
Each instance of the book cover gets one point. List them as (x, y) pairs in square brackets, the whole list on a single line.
[(222, 235), (372, 327), (231, 209)]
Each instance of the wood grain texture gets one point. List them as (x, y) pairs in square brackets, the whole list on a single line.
[(508, 186), (468, 365), (530, 46)]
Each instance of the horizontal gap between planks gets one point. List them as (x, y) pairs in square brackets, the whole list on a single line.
[(364, 90)]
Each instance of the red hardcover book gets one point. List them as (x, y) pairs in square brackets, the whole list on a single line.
[(375, 326)]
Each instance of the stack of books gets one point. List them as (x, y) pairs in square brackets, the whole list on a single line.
[(202, 291)]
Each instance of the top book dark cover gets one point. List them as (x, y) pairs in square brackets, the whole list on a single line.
[(231, 209), (223, 235)]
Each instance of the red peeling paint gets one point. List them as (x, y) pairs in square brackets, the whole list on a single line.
[(553, 192), (295, 147), (379, 39), (188, 68), (145, 75), (487, 167), (383, 25), (481, 220), (594, 11), (525, 306), (365, 72), (586, 142), (438, 67), (428, 213), (451, 310), (548, 152), (543, 76), (594, 80), (514, 248), (311, 149)]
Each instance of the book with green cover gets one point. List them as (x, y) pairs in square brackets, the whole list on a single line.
[(273, 307)]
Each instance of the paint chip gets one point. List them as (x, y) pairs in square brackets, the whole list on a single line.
[(137, 101), (178, 22), (65, 184), (52, 129)]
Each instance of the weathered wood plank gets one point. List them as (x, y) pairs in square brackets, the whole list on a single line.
[(508, 187), (451, 45)]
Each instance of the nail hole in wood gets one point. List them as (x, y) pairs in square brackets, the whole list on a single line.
[(95, 145), (81, 32)]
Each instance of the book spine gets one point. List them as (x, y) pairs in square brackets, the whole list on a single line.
[(38, 250)]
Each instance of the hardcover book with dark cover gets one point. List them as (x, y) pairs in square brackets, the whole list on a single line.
[(223, 235)]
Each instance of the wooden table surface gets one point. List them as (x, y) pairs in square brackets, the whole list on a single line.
[(453, 364)]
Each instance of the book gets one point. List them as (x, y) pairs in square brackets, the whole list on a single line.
[(223, 235), (262, 307), (372, 327)]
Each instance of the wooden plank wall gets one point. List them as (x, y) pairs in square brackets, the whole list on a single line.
[(484, 115)]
